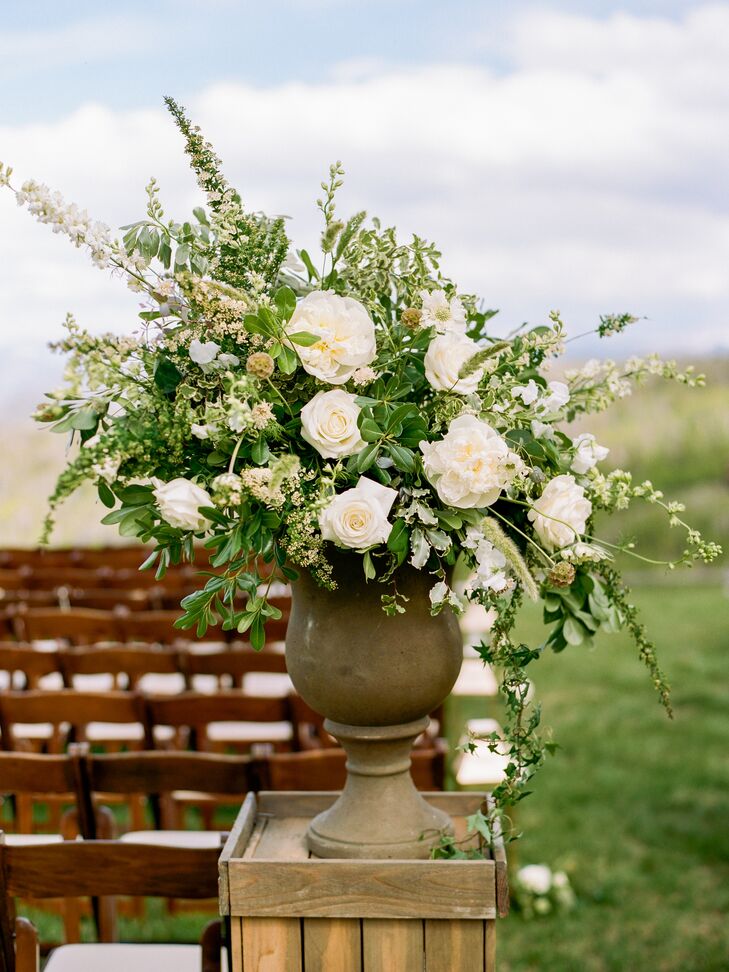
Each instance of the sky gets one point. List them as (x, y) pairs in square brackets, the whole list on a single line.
[(563, 155)]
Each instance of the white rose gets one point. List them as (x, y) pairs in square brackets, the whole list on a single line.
[(203, 354), (446, 315), (357, 518), (561, 512), (587, 453), (329, 423), (536, 878), (445, 357), (471, 465), (346, 335), (179, 502)]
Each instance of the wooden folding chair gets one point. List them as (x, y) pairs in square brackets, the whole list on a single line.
[(226, 720), (237, 667), (24, 666), (106, 868), (158, 627), (128, 666)]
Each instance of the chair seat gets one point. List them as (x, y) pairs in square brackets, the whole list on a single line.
[(222, 732), (125, 957), (475, 679), (26, 840), (162, 683), (175, 838)]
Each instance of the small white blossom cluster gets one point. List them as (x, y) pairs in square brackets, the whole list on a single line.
[(539, 891), (490, 574)]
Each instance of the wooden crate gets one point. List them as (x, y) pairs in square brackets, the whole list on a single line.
[(291, 912)]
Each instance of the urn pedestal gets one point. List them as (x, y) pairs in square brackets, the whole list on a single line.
[(375, 678)]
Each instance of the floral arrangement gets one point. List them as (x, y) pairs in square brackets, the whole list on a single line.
[(275, 403), (537, 891)]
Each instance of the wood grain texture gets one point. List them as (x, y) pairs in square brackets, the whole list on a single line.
[(454, 945), (271, 945), (390, 945), (490, 945), (287, 803), (236, 843), (363, 889), (332, 945), (236, 944), (284, 839)]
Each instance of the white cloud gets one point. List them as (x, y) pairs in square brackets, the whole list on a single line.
[(590, 176)]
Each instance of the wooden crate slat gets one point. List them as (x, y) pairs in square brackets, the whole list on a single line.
[(332, 945), (454, 945), (388, 945), (238, 839), (490, 945), (236, 943), (374, 889), (271, 945)]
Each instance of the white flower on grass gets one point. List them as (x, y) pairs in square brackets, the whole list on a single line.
[(445, 357), (203, 353), (446, 315), (345, 332), (536, 878), (561, 512), (558, 394), (179, 503), (329, 423), (357, 518), (470, 465), (528, 393), (587, 453)]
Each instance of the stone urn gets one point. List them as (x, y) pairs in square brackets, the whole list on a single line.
[(375, 678)]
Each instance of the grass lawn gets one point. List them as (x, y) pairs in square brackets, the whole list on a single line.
[(634, 807)]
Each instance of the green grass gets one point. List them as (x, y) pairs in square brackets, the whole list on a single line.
[(634, 807)]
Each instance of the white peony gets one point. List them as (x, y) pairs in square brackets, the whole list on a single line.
[(587, 453), (561, 512), (179, 502), (346, 335), (357, 518), (471, 465), (445, 357), (329, 423), (536, 878), (446, 315)]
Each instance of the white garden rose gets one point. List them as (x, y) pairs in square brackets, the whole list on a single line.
[(346, 335), (587, 453), (329, 423), (179, 501), (446, 355), (561, 512), (357, 518), (471, 465)]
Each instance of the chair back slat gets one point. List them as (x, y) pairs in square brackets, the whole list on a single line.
[(74, 626), (97, 868), (36, 773), (164, 772), (197, 709)]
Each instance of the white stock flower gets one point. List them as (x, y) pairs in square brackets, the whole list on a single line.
[(446, 355), (446, 315), (329, 423), (490, 563), (558, 394), (179, 501), (202, 431), (587, 453), (528, 393), (560, 514), (585, 551), (470, 465), (345, 331), (357, 518), (536, 878), (203, 353)]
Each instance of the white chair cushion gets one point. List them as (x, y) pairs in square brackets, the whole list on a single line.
[(162, 683), (481, 768), (272, 685), (175, 838), (222, 732), (26, 840), (33, 730), (475, 679), (125, 958), (114, 732)]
